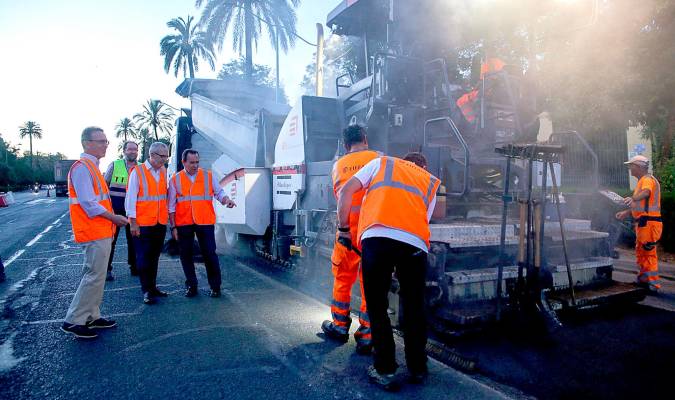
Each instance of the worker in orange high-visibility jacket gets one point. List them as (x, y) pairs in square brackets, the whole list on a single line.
[(393, 233), (645, 208), (468, 102), (191, 213), (146, 207), (346, 262), (93, 221)]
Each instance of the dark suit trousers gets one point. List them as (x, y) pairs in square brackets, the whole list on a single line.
[(148, 247), (207, 245), (380, 256), (131, 253)]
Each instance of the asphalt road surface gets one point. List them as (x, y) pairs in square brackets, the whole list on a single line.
[(260, 339)]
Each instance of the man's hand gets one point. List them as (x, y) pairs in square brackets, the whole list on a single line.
[(174, 233), (621, 215), (135, 229), (227, 202), (119, 220), (628, 201)]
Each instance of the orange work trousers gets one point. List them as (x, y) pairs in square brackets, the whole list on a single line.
[(645, 251), (346, 268)]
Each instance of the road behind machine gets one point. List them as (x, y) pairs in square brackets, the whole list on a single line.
[(501, 241)]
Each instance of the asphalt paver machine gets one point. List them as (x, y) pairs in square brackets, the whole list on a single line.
[(494, 250)]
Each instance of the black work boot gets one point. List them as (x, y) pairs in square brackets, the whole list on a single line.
[(333, 332)]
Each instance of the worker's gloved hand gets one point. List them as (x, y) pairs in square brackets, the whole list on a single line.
[(345, 241)]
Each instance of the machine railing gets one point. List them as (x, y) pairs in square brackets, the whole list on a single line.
[(338, 85), (438, 65), (458, 136), (576, 161)]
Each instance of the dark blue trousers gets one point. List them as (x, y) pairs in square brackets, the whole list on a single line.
[(207, 245), (148, 247), (131, 253)]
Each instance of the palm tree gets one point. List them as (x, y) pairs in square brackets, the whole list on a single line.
[(186, 47), (144, 138), (125, 128), (246, 17), (156, 116), (30, 129)]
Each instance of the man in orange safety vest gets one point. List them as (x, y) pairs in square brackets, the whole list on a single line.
[(191, 213), (645, 208), (346, 262), (393, 233)]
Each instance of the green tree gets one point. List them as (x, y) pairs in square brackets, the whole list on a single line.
[(245, 19), (186, 47), (262, 75), (125, 129), (33, 130), (156, 116), (144, 139)]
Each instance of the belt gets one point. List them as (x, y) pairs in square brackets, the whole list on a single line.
[(642, 220)]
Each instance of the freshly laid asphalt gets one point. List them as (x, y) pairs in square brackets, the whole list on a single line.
[(262, 340)]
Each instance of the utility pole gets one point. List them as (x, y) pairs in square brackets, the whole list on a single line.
[(319, 60)]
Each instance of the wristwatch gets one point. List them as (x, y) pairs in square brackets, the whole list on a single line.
[(343, 229)]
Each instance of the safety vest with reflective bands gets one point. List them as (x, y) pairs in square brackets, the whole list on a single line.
[(398, 197), (194, 201), (118, 183), (651, 206), (151, 205), (344, 169), (88, 229), (466, 104)]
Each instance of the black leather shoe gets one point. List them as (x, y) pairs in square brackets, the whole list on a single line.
[(214, 293), (158, 293), (191, 291), (148, 299), (332, 332)]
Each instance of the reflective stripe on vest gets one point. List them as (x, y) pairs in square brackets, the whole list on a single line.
[(87, 229), (466, 105), (399, 185), (119, 179), (651, 206), (194, 201), (151, 204), (389, 182)]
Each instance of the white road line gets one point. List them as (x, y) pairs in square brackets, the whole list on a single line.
[(34, 240), (14, 257)]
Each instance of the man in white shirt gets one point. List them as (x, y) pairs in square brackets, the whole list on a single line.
[(394, 235), (191, 213)]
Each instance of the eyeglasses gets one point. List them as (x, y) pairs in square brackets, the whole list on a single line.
[(160, 155), (104, 141)]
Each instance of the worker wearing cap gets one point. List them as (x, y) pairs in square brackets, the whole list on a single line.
[(346, 262), (393, 233), (191, 213), (117, 177), (645, 208), (146, 207)]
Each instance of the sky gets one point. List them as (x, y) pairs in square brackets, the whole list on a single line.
[(74, 63)]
